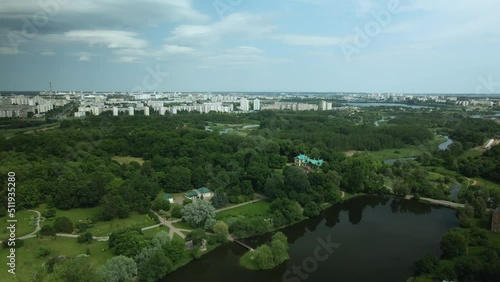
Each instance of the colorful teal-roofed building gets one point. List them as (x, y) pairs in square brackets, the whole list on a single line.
[(200, 193), (304, 161)]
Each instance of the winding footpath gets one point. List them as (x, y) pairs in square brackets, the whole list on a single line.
[(37, 226)]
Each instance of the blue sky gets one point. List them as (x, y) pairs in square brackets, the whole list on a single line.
[(419, 46)]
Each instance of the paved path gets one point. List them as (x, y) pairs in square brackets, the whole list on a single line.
[(440, 202), (37, 226), (173, 230)]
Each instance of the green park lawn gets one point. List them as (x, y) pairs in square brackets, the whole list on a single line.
[(25, 224), (103, 228), (127, 159), (396, 153), (152, 232), (27, 262), (260, 208), (182, 225)]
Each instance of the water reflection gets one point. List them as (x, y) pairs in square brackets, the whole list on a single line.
[(383, 235)]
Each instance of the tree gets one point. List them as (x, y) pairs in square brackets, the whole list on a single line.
[(426, 264), (264, 257), (279, 248), (160, 204), (219, 200), (85, 238), (175, 250), (295, 179), (285, 211), (196, 214), (63, 225), (453, 244), (197, 236), (118, 269), (176, 211), (74, 270), (400, 188), (127, 242), (221, 230), (311, 209), (179, 179), (155, 267), (47, 230), (161, 238)]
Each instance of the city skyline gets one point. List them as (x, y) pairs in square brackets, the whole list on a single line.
[(251, 46)]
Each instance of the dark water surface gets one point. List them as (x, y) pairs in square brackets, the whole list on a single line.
[(378, 239)]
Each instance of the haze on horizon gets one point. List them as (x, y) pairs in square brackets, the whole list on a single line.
[(426, 46)]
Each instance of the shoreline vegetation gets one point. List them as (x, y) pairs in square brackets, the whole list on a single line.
[(95, 181)]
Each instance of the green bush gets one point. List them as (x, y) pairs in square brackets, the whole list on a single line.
[(43, 252)]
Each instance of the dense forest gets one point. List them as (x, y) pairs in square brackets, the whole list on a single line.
[(73, 166)]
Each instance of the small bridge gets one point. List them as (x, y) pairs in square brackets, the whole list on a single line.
[(243, 245)]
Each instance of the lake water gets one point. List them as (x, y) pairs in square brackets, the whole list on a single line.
[(378, 240), (446, 144), (385, 105)]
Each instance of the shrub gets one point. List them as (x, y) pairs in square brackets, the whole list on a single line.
[(47, 230), (49, 213), (63, 225), (43, 252), (161, 204), (85, 238)]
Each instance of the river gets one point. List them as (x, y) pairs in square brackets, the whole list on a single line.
[(378, 240), (385, 105)]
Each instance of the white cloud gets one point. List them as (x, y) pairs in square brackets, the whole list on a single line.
[(121, 12), (312, 40), (84, 58), (113, 39), (238, 25), (47, 53), (8, 51), (242, 56)]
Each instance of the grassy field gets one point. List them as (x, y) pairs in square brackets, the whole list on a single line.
[(486, 184), (104, 228), (25, 224), (127, 160), (27, 262), (396, 153), (154, 231), (259, 208), (182, 225)]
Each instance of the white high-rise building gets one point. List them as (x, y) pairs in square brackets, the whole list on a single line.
[(322, 106), (256, 105), (115, 111), (131, 111), (146, 111), (244, 104)]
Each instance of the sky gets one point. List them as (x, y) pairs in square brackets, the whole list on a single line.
[(412, 46)]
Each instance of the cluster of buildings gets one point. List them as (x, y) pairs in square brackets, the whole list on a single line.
[(307, 163), (23, 106)]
